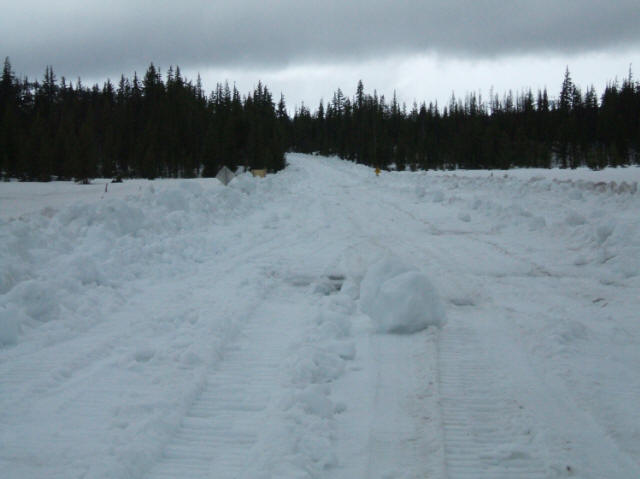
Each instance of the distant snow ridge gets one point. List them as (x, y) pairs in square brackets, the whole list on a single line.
[(400, 299)]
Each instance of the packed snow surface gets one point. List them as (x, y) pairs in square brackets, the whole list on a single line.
[(322, 322)]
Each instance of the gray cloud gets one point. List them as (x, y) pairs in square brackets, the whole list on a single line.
[(80, 37)]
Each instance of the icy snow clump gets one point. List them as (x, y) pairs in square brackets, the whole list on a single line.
[(375, 275), (399, 299)]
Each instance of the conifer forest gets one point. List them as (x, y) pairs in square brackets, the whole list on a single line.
[(168, 126)]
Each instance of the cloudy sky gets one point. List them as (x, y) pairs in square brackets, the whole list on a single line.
[(306, 49)]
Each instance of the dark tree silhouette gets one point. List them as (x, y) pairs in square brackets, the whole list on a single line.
[(170, 128)]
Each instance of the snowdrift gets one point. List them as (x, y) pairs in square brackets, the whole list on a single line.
[(77, 262)]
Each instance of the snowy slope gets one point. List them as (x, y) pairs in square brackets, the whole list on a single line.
[(322, 322)]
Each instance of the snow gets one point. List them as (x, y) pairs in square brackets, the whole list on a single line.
[(400, 300), (377, 274), (10, 326), (322, 322)]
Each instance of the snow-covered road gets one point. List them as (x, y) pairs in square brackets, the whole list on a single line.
[(277, 328)]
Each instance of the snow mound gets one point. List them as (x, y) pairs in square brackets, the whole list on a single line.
[(317, 366), (376, 275), (399, 299), (75, 263), (314, 400), (332, 324)]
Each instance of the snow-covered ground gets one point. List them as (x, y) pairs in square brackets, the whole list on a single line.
[(322, 322)]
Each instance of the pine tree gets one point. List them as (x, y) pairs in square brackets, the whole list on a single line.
[(566, 93)]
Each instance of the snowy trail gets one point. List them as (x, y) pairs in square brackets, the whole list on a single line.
[(399, 438), (224, 422), (485, 432), (501, 415), (185, 329)]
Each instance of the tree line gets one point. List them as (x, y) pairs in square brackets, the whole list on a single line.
[(154, 127), (515, 130), (142, 127)]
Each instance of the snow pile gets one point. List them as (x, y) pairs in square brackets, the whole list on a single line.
[(308, 407), (377, 273), (316, 366), (400, 299), (76, 262), (589, 213)]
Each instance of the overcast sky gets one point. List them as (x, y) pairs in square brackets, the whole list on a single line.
[(306, 49)]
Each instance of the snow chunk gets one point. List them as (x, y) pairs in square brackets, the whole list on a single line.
[(314, 401), (400, 299), (333, 324), (375, 276), (408, 303), (317, 366)]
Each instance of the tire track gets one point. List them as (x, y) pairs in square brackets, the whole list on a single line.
[(486, 432), (218, 434), (401, 441)]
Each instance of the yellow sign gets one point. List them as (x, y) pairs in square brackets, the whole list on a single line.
[(377, 171)]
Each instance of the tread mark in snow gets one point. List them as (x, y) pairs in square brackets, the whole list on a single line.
[(482, 437), (216, 436)]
